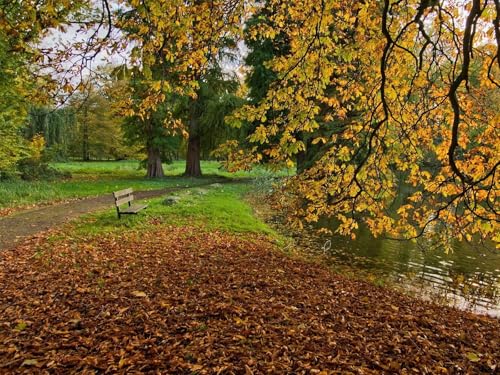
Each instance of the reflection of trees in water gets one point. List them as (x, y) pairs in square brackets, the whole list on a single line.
[(473, 291), (467, 278)]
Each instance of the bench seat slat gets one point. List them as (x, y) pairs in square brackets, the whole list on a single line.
[(123, 197), (133, 209)]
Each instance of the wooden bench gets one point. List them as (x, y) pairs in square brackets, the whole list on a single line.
[(126, 196)]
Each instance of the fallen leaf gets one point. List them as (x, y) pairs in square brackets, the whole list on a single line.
[(29, 362), (21, 326), (473, 357)]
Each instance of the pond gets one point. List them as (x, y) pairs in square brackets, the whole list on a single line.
[(467, 278)]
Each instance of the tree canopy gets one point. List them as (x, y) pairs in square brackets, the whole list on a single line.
[(393, 93), (413, 84)]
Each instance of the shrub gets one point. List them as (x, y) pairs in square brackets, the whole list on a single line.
[(36, 167)]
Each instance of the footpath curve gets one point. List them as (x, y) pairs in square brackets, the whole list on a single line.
[(21, 225)]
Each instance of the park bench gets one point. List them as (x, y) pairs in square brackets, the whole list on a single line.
[(123, 197)]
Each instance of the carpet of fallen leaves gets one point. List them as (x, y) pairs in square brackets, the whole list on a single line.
[(178, 300)]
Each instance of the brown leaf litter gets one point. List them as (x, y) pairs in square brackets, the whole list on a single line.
[(179, 300)]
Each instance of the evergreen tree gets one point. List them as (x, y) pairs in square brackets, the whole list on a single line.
[(205, 116)]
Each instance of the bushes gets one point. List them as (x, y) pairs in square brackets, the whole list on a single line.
[(31, 169), (36, 167)]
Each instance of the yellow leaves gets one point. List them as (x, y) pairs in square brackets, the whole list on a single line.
[(29, 362), (344, 153), (128, 112), (347, 225), (234, 158), (260, 134), (143, 29), (473, 357), (188, 35), (156, 85), (319, 140), (329, 82), (21, 326), (36, 147)]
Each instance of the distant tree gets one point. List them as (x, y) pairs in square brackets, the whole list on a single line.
[(149, 131), (13, 103), (204, 117), (98, 132), (22, 25), (153, 139), (56, 125), (176, 57)]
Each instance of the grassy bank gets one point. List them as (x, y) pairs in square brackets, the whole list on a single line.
[(96, 178)]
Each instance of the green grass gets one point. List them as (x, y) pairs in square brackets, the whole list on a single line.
[(19, 193), (219, 207), (96, 178), (130, 168)]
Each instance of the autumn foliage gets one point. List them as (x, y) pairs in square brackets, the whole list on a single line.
[(399, 95)]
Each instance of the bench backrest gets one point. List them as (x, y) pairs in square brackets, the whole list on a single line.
[(123, 196)]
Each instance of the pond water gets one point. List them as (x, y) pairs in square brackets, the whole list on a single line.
[(467, 278)]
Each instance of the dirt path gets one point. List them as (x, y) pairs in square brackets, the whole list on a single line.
[(16, 227)]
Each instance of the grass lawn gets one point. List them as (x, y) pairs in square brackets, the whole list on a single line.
[(212, 207), (96, 178)]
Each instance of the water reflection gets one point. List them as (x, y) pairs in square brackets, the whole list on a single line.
[(468, 278)]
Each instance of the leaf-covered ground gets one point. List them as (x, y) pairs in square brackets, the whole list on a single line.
[(177, 300)]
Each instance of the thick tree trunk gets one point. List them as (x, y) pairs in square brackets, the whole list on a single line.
[(193, 156), (154, 168), (193, 167), (301, 161)]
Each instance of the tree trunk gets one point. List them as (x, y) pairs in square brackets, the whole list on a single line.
[(193, 156), (85, 138), (193, 167), (304, 157), (155, 168), (301, 159)]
